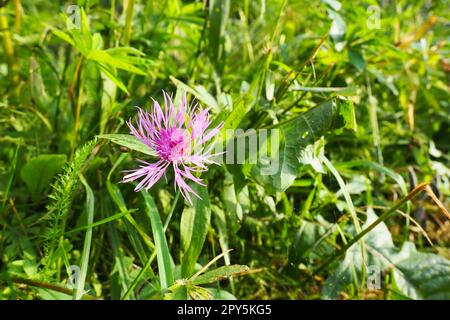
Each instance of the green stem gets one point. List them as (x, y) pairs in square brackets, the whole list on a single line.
[(9, 51), (78, 106), (50, 286), (382, 218), (11, 178), (351, 208), (87, 239), (172, 210), (129, 17)]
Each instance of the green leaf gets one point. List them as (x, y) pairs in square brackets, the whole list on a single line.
[(309, 243), (178, 291), (111, 74), (219, 274), (12, 172), (124, 51), (231, 204), (37, 88), (221, 225), (387, 81), (375, 166), (270, 84), (194, 226), (79, 292), (115, 62), (129, 141), (108, 99), (219, 11), (219, 294), (342, 91), (282, 164), (162, 249), (311, 155), (199, 92), (417, 275), (39, 171), (356, 59), (198, 293), (338, 28), (347, 111), (62, 35), (422, 275)]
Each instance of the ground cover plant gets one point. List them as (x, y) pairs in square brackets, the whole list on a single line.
[(224, 149)]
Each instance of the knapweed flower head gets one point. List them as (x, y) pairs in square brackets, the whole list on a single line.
[(178, 136)]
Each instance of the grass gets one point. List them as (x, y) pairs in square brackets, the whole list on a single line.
[(357, 91)]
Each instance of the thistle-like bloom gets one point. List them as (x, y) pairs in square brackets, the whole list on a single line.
[(178, 137)]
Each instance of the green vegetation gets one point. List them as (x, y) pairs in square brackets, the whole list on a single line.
[(355, 97)]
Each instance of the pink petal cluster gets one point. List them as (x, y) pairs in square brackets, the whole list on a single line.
[(178, 137)]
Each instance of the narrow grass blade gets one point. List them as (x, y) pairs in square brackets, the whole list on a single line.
[(195, 222), (162, 249), (11, 178), (79, 292), (100, 222)]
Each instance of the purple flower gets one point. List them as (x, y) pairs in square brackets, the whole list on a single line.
[(178, 137)]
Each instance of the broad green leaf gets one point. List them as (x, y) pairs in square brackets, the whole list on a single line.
[(356, 59), (129, 141), (421, 275), (162, 249), (195, 221), (39, 171), (281, 164), (177, 291), (347, 111), (417, 275)]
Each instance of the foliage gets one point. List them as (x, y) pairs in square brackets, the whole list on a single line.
[(353, 96)]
